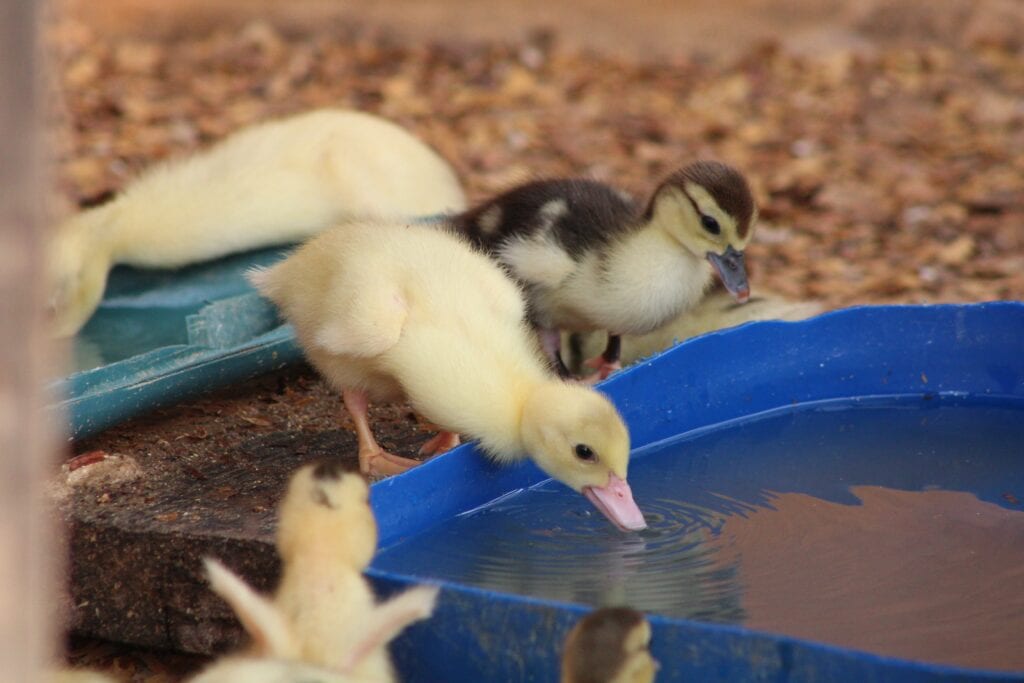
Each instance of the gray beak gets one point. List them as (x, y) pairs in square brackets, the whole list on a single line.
[(732, 271)]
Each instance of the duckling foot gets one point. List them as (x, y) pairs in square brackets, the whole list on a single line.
[(443, 441), (551, 343), (373, 460), (380, 463), (604, 368)]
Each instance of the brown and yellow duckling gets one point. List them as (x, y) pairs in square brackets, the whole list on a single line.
[(589, 257)]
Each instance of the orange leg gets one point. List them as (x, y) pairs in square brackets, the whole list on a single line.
[(443, 441), (373, 460), (607, 362), (551, 343), (603, 367)]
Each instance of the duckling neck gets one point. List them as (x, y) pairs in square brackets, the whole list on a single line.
[(503, 438), (504, 370)]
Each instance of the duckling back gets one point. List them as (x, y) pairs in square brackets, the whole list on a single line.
[(281, 182), (407, 310), (272, 183)]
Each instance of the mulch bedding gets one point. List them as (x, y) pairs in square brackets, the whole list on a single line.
[(883, 174)]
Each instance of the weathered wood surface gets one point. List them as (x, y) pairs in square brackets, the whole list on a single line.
[(27, 596), (147, 500)]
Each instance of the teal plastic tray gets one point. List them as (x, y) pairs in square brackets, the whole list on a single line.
[(160, 336)]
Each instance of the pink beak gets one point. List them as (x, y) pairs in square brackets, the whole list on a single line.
[(615, 501)]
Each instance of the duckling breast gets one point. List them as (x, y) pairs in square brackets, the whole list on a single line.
[(631, 290)]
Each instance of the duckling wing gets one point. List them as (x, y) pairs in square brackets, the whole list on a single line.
[(541, 231), (537, 260), (342, 298), (262, 621), (366, 325), (390, 618)]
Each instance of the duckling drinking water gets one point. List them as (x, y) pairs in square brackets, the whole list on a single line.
[(590, 258), (323, 612), (272, 183), (393, 311)]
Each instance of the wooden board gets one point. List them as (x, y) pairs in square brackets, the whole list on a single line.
[(147, 500)]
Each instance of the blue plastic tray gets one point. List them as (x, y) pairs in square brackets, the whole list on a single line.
[(939, 354)]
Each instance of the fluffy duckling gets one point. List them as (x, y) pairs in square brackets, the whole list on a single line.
[(716, 311), (392, 311), (324, 612), (268, 184), (609, 645), (590, 258)]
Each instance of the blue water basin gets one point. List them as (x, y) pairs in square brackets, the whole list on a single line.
[(792, 473)]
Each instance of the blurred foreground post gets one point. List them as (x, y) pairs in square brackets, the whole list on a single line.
[(27, 548)]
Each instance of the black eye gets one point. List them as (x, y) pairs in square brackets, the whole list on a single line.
[(710, 224), (585, 452)]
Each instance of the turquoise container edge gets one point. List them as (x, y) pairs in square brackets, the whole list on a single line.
[(101, 398)]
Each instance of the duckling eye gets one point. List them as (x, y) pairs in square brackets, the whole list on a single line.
[(710, 224), (585, 453)]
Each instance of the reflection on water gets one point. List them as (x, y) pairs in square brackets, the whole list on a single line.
[(895, 530), (574, 555), (935, 575)]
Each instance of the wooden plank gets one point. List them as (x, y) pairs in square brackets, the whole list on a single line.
[(27, 596), (146, 500)]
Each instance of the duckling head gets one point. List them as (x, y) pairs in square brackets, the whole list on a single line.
[(707, 206), (78, 264), (577, 436), (326, 511), (609, 645)]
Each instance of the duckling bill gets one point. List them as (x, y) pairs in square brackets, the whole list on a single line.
[(589, 257), (390, 311)]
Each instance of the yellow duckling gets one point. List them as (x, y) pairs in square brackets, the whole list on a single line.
[(716, 311), (391, 311), (609, 645), (324, 612), (272, 183)]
